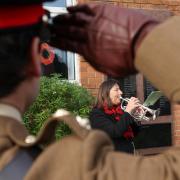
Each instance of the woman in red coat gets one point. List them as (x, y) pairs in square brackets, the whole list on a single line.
[(108, 116)]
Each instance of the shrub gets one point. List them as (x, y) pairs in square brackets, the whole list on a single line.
[(57, 93)]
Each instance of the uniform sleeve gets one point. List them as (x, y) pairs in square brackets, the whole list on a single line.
[(99, 120), (158, 58), (119, 166), (110, 165), (93, 158)]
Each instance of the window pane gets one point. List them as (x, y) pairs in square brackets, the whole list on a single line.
[(60, 63), (58, 66), (57, 3), (65, 61), (156, 135), (128, 86)]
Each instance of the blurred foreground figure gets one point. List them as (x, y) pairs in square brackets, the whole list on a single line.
[(86, 155), (119, 41)]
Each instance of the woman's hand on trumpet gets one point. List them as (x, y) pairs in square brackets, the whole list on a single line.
[(133, 104)]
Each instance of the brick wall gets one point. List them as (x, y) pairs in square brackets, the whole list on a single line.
[(172, 5), (91, 79), (176, 125)]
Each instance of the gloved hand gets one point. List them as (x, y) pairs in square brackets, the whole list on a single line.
[(106, 35)]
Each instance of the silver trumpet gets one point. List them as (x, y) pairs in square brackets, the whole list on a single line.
[(141, 112)]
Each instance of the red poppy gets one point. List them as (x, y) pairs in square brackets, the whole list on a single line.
[(47, 54)]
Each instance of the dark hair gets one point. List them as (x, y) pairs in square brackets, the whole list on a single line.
[(103, 93), (14, 56)]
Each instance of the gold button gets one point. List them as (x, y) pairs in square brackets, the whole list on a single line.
[(30, 139)]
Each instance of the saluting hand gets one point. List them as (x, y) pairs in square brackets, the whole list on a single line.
[(106, 35)]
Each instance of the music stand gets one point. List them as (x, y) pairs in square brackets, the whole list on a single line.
[(152, 98)]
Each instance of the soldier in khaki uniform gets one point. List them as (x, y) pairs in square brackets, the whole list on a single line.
[(86, 155)]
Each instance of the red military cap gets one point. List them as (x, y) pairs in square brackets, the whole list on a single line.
[(18, 13)]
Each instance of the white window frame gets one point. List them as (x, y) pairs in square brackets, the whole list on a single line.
[(73, 68)]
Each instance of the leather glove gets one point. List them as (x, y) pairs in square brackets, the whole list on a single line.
[(106, 35)]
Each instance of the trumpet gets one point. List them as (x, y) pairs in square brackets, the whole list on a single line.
[(142, 112)]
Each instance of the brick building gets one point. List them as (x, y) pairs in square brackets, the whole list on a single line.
[(91, 79)]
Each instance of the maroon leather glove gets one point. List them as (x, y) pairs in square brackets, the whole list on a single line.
[(106, 35)]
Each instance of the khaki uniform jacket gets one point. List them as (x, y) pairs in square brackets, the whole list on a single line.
[(86, 155), (158, 58)]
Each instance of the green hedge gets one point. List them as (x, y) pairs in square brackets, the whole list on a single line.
[(57, 93)]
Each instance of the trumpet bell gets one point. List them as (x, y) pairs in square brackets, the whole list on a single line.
[(156, 113)]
